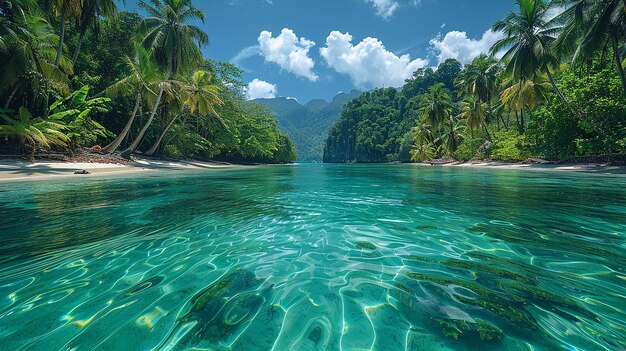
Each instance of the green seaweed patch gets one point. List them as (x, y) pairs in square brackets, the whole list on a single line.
[(486, 299), (474, 267), (546, 299), (457, 329), (365, 245), (527, 269), (239, 280), (428, 227), (213, 292)]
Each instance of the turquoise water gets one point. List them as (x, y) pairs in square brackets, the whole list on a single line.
[(315, 258)]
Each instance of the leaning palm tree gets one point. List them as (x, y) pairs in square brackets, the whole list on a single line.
[(198, 96), (90, 12), (143, 72), (527, 42), (175, 43), (589, 26), (436, 106)]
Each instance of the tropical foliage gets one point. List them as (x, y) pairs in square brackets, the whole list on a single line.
[(557, 91), (59, 91)]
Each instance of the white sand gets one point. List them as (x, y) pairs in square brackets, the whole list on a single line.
[(530, 166), (12, 170)]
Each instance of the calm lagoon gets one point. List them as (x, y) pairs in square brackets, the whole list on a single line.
[(315, 257)]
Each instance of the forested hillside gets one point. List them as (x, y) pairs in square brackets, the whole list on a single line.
[(377, 126), (82, 74), (558, 93), (307, 125)]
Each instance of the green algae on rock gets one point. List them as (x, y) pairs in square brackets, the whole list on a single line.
[(365, 245)]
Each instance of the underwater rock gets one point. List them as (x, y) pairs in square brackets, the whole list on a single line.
[(427, 227), (235, 313), (218, 311), (83, 172), (365, 245)]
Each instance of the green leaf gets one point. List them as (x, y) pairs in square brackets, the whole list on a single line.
[(80, 96), (61, 115)]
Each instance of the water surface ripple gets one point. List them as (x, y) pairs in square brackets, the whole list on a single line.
[(315, 257)]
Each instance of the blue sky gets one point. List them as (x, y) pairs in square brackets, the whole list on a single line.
[(310, 49)]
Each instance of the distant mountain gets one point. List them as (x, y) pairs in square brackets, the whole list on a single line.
[(308, 125)]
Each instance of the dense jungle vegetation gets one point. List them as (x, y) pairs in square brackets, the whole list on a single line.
[(83, 74), (553, 87)]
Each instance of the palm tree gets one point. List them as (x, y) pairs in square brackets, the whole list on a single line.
[(479, 79), (528, 36), (175, 43), (424, 147), (143, 72), (474, 112), (32, 132), (26, 58), (199, 96), (452, 138), (524, 94), (589, 26), (91, 11), (436, 106), (64, 9)]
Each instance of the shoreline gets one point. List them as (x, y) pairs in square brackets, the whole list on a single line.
[(19, 170), (577, 167)]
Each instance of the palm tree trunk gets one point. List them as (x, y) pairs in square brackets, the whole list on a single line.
[(133, 147), (78, 45), (109, 149), (556, 89), (155, 147), (57, 62), (618, 60), (486, 131), (523, 119), (10, 98), (506, 126)]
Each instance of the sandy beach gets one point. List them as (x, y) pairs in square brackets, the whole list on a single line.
[(580, 167), (18, 170)]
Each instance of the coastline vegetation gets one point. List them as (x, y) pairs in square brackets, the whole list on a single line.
[(552, 87), (83, 74)]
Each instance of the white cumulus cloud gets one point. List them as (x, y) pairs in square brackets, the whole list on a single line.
[(289, 52), (259, 89), (457, 45), (368, 63)]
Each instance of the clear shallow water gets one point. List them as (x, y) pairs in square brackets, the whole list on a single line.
[(315, 258)]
